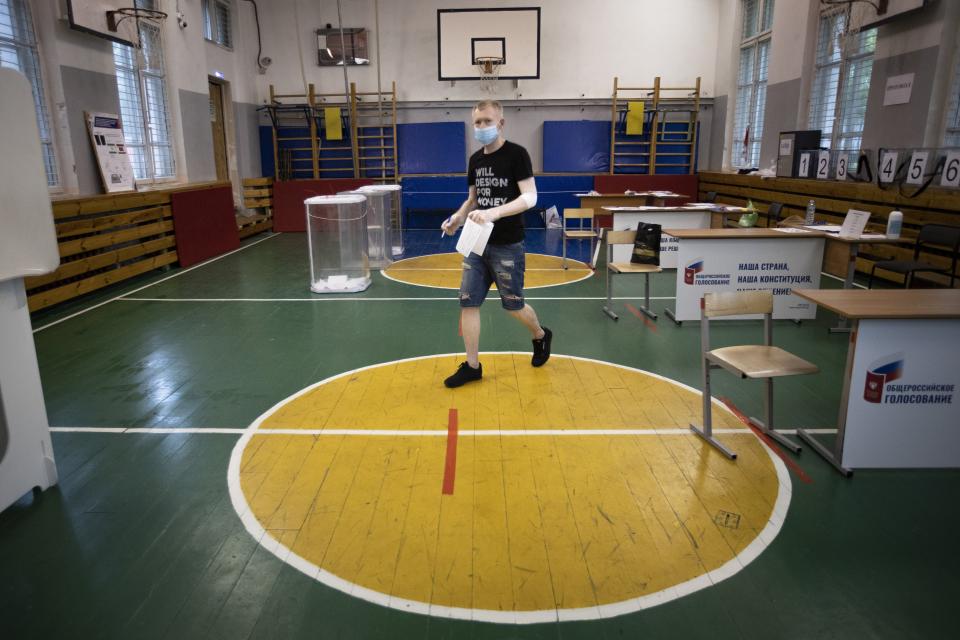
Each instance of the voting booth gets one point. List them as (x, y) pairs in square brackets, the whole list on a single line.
[(337, 240), (28, 247)]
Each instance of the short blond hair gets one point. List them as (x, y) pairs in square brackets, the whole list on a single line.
[(494, 104)]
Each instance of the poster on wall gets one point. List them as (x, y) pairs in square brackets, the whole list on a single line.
[(106, 135)]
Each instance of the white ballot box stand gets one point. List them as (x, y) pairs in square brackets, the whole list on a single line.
[(28, 247)]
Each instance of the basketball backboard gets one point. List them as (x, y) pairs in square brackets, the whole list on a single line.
[(513, 34), (90, 16)]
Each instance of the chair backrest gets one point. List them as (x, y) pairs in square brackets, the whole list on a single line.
[(736, 303), (581, 215), (710, 197), (621, 237), (939, 234), (773, 213)]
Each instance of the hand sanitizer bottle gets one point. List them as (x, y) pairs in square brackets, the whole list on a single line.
[(894, 223), (811, 212)]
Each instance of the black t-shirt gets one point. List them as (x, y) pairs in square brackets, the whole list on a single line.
[(495, 175)]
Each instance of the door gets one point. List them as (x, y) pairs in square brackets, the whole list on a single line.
[(219, 130)]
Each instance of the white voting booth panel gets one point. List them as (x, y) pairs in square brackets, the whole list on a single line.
[(628, 220), (903, 409), (28, 247), (733, 264)]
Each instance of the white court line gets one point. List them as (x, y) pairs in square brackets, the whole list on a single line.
[(269, 543), (178, 273), (356, 299), (401, 433)]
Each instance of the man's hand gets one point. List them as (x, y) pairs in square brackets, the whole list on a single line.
[(482, 216), (450, 225)]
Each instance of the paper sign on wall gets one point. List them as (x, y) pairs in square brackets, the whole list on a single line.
[(106, 134), (898, 89)]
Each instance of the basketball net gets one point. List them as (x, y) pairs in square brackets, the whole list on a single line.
[(489, 69)]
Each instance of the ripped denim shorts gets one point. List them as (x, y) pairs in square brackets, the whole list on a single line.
[(500, 263)]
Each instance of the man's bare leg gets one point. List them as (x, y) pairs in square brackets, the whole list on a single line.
[(470, 327), (527, 316)]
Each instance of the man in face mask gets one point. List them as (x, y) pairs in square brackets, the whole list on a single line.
[(501, 188)]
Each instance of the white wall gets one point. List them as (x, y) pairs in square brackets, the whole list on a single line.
[(583, 46)]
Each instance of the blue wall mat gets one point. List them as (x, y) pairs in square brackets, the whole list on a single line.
[(558, 191), (432, 147), (576, 146), (266, 151), (428, 200)]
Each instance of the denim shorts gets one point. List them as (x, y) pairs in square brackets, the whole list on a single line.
[(500, 263)]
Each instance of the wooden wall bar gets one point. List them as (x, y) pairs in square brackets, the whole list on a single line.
[(257, 195), (833, 199)]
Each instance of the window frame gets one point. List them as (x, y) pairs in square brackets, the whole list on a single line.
[(951, 120), (762, 36), (146, 130), (851, 53), (40, 92), (211, 26)]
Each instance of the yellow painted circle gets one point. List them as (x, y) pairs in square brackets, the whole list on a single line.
[(442, 271), (578, 490)]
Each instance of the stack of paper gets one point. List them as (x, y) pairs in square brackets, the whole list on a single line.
[(474, 238)]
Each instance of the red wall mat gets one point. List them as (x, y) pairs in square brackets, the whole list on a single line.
[(204, 223), (288, 197), (685, 184)]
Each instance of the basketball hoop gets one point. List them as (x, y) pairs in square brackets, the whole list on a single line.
[(489, 68), (115, 17)]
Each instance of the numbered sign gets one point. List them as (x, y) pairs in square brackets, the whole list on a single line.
[(823, 165), (804, 170), (918, 167), (951, 170), (888, 166), (841, 173)]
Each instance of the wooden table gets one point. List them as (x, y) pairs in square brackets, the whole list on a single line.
[(637, 199), (900, 406), (745, 259)]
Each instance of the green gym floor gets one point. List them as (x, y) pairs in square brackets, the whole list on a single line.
[(140, 539)]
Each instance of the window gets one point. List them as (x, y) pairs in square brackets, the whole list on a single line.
[(216, 22), (841, 80), (751, 82), (141, 83), (18, 50), (951, 136)]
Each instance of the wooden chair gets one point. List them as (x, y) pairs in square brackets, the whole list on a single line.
[(937, 235), (579, 232), (746, 361), (627, 237)]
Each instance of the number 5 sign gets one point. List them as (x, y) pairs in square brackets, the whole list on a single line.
[(951, 170)]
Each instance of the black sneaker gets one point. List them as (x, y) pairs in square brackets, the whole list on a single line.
[(463, 375), (541, 349)]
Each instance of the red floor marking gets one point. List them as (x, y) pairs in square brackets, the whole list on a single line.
[(645, 319), (460, 326), (797, 469), (450, 469)]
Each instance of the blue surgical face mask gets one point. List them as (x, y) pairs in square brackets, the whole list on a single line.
[(486, 135)]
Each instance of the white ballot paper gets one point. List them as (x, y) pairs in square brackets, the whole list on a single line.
[(474, 238), (854, 223)]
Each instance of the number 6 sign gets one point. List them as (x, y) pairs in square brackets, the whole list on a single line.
[(951, 170)]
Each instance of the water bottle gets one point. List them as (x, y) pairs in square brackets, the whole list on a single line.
[(811, 212), (894, 223)]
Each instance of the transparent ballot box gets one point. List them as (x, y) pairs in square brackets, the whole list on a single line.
[(379, 231), (337, 239), (391, 197)]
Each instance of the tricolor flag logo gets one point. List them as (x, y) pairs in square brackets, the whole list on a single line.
[(882, 371), (691, 270)]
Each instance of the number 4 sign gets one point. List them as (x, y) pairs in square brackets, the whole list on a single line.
[(951, 170), (888, 166)]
